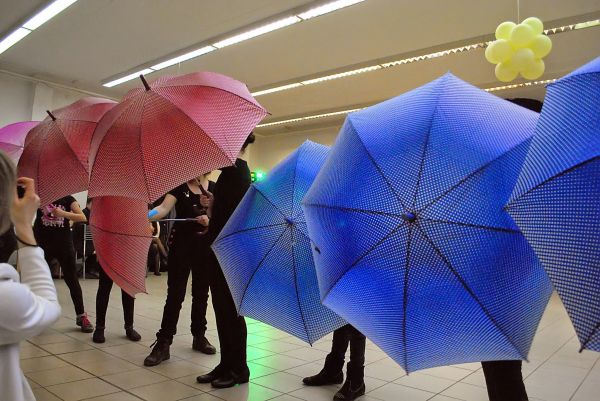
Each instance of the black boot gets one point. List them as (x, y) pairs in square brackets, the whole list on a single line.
[(98, 336), (159, 353), (354, 386), (330, 374), (132, 334), (203, 345)]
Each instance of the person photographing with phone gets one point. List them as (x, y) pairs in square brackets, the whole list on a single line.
[(29, 302), (53, 232)]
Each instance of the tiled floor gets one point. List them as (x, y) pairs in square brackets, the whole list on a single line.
[(64, 364)]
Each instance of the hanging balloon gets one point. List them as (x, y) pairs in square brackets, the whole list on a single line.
[(519, 49)]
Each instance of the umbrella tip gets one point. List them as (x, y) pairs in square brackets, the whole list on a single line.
[(145, 82), (51, 115)]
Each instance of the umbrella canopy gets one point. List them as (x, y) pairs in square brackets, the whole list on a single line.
[(169, 132), (265, 252), (122, 237), (56, 150), (411, 242), (12, 138), (556, 201)]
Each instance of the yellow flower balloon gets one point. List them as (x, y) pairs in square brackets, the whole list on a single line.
[(541, 46), (534, 70), (504, 29), (521, 35), (505, 72), (535, 23), (499, 51), (519, 49)]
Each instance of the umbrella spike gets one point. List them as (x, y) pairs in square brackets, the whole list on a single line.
[(51, 115), (145, 82)]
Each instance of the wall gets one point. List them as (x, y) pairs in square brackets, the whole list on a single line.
[(267, 151)]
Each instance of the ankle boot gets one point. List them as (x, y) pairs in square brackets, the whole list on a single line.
[(98, 336), (159, 353), (354, 386), (132, 334), (330, 374)]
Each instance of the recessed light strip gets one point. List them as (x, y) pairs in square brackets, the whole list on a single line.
[(34, 22), (261, 30), (409, 60), (337, 113)]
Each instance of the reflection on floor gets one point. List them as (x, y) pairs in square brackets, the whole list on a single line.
[(64, 364)]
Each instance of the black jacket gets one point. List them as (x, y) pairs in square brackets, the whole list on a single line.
[(230, 188)]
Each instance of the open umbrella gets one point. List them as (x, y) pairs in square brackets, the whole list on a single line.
[(556, 201), (122, 237), (12, 138), (411, 242), (265, 253), (169, 132), (56, 150)]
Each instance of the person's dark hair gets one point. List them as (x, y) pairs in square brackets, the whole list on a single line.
[(251, 138)]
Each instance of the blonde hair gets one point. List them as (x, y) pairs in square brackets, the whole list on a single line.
[(7, 190)]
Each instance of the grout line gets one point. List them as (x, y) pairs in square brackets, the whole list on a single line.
[(584, 379)]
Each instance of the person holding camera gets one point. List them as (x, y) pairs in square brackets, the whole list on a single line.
[(29, 302)]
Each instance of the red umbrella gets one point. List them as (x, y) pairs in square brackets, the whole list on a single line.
[(56, 151), (122, 236), (172, 131), (12, 138)]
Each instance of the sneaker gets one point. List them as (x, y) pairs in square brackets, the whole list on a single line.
[(85, 324)]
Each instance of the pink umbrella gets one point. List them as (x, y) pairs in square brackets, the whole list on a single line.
[(122, 236), (175, 129), (12, 138), (56, 151)]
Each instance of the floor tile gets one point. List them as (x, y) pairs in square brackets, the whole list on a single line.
[(424, 382), (393, 391), (467, 392), (134, 378), (280, 381), (246, 392), (120, 396), (43, 363), (41, 394), (83, 389), (280, 362), (165, 391), (60, 375), (176, 369), (67, 346)]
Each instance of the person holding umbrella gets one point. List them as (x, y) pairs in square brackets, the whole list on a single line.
[(53, 233), (229, 190), (187, 237)]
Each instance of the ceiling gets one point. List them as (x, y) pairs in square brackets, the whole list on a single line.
[(95, 40)]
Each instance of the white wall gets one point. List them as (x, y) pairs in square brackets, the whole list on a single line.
[(267, 151)]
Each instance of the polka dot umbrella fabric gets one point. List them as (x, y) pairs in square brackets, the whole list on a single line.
[(556, 201), (265, 252), (170, 132), (56, 150), (412, 245), (122, 235)]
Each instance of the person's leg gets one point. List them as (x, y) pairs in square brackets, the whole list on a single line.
[(128, 303), (235, 327), (200, 287), (354, 386), (176, 286), (504, 380), (219, 291), (65, 253), (102, 298), (334, 362)]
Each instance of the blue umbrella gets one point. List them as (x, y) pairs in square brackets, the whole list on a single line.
[(556, 201), (265, 252), (411, 242)]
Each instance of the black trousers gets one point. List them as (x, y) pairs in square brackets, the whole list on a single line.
[(504, 381), (185, 255), (231, 327), (342, 337), (102, 297), (64, 252)]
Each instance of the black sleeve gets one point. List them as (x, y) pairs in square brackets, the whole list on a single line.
[(236, 183), (176, 192)]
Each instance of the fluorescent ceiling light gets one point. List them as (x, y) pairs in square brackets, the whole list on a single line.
[(183, 57), (342, 75), (47, 13), (273, 26), (13, 38), (327, 8), (277, 89), (337, 113), (128, 77)]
